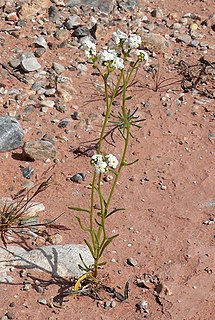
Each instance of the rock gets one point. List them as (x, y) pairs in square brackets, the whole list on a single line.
[(30, 64), (73, 21), (58, 68), (63, 123), (40, 42), (39, 150), (47, 103), (62, 34), (104, 6), (155, 43), (185, 38), (78, 177), (42, 301), (54, 14), (10, 315), (29, 9), (131, 262), (157, 13), (11, 134), (27, 172), (59, 260)]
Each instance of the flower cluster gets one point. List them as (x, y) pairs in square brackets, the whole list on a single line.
[(109, 58), (132, 41), (102, 163), (115, 59), (89, 48)]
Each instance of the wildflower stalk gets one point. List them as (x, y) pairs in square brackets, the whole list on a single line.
[(111, 60)]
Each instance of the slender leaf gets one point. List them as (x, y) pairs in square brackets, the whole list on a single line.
[(98, 223), (113, 211), (90, 248), (79, 209), (81, 225), (107, 242)]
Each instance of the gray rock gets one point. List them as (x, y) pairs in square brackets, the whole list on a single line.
[(11, 134), (57, 260), (27, 172), (131, 262), (30, 64), (72, 21), (42, 301), (78, 177), (154, 42), (62, 34), (157, 13), (58, 68), (54, 14), (40, 42), (185, 38), (39, 150)]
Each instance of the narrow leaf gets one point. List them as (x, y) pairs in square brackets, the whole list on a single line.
[(81, 225), (107, 242), (90, 248), (113, 211), (79, 209)]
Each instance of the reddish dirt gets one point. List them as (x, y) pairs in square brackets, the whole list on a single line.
[(164, 194)]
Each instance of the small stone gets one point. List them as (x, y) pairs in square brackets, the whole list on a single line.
[(30, 64), (113, 304), (39, 289), (56, 238), (131, 262), (14, 63), (47, 103), (42, 301), (62, 34), (75, 115), (41, 42), (58, 68), (78, 177), (157, 13), (142, 305), (12, 17), (61, 109), (185, 38), (27, 172), (54, 14), (48, 137), (73, 21), (154, 42), (63, 123), (10, 315), (39, 52), (107, 304), (11, 134), (27, 286), (39, 150)]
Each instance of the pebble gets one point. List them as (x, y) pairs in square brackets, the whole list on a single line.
[(185, 38), (131, 262), (42, 301), (62, 34), (27, 172), (41, 42), (54, 14), (30, 64), (58, 68), (39, 150), (63, 123), (78, 177), (11, 134), (157, 13), (73, 21), (10, 315), (142, 305), (113, 304)]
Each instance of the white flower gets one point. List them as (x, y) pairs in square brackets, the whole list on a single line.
[(133, 41), (89, 48), (96, 158), (119, 36), (118, 63), (112, 161), (101, 167), (110, 58), (97, 161), (142, 55)]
